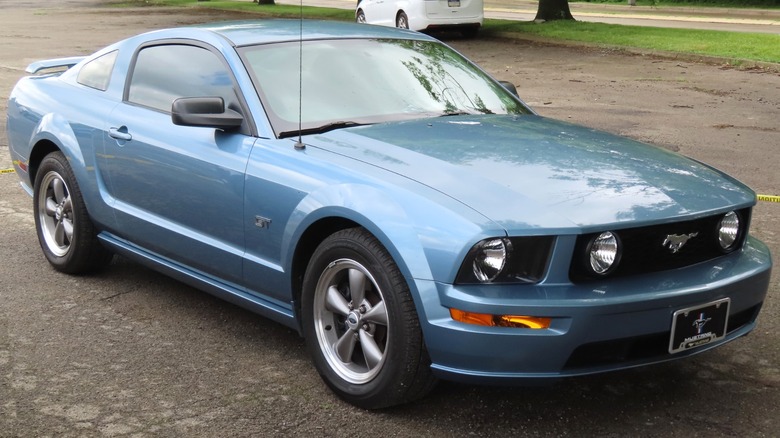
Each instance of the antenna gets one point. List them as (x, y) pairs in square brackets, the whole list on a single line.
[(299, 144)]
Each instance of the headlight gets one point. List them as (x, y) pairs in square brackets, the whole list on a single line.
[(490, 259), (604, 252), (728, 230), (506, 260)]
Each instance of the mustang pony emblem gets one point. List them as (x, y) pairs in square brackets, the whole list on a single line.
[(699, 323), (676, 241)]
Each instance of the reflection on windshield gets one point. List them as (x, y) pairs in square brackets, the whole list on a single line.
[(370, 81)]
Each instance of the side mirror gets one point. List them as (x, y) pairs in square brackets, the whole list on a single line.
[(208, 112), (510, 87)]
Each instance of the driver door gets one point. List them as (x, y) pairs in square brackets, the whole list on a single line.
[(178, 190)]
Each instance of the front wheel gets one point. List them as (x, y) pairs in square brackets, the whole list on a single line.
[(360, 323), (65, 231)]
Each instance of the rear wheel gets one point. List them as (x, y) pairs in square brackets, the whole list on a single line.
[(402, 21), (360, 323), (360, 17), (65, 231)]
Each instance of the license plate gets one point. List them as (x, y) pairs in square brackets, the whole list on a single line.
[(700, 325), (453, 3)]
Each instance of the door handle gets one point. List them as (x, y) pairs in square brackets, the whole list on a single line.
[(120, 133)]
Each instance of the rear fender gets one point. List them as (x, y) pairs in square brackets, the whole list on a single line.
[(54, 132)]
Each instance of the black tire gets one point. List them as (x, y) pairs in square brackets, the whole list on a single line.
[(368, 347), (360, 16), (65, 232), (402, 21)]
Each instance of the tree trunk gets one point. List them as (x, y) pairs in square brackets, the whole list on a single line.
[(553, 10)]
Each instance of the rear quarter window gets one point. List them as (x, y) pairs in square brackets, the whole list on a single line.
[(97, 73)]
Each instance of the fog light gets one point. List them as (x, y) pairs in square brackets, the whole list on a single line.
[(728, 230), (603, 253), (515, 321)]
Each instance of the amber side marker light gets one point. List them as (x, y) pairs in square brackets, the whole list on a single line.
[(516, 321)]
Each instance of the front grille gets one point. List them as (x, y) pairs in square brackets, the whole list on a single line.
[(643, 248), (638, 348)]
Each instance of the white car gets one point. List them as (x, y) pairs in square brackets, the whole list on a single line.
[(463, 15)]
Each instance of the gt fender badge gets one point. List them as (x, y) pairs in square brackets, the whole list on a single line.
[(674, 242)]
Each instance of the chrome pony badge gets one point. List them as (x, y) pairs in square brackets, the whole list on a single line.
[(700, 323), (676, 241)]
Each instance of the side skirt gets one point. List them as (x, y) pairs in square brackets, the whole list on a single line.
[(271, 309)]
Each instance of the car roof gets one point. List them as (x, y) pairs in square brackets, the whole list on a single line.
[(244, 33)]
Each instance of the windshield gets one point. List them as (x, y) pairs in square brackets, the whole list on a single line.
[(352, 82)]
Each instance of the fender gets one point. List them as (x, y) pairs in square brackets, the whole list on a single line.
[(372, 209), (395, 225)]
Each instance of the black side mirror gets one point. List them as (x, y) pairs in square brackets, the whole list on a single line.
[(206, 112), (510, 87)]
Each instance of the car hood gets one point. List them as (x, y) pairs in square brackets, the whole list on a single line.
[(527, 172)]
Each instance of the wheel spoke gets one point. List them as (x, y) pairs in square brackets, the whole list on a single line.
[(371, 351), (377, 314), (51, 207), (67, 227), (345, 346), (59, 234), (335, 302), (59, 190), (357, 287)]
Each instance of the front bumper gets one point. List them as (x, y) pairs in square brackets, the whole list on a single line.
[(596, 327)]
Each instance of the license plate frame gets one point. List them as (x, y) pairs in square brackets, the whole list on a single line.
[(453, 3), (699, 325)]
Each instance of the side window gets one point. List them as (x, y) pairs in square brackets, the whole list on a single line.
[(97, 73), (165, 73)]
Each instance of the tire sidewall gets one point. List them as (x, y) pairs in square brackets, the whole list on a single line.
[(57, 163)]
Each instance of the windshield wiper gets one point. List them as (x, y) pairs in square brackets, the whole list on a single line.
[(321, 129)]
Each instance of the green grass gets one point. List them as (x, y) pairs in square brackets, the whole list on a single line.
[(731, 45), (764, 4), (280, 11), (264, 11), (734, 46)]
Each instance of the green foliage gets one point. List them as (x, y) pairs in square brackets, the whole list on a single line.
[(732, 45)]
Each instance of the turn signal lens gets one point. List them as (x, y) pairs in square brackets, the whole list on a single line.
[(728, 230), (530, 322), (516, 321)]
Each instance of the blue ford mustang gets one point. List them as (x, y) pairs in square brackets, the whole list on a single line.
[(373, 189)]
